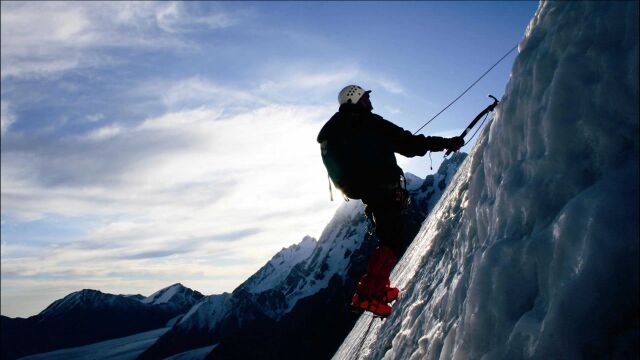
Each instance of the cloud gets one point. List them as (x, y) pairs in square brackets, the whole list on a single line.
[(43, 39), (197, 91), (104, 133), (312, 80), (93, 118), (175, 18), (167, 194), (308, 79), (153, 254), (236, 235), (6, 117), (388, 85)]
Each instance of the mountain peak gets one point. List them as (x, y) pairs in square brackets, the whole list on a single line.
[(413, 181), (280, 266), (85, 298), (176, 293)]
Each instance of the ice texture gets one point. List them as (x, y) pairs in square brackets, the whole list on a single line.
[(126, 348), (532, 251)]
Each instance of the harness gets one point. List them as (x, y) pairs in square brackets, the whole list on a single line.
[(399, 198)]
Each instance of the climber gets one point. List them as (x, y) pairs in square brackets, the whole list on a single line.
[(357, 148)]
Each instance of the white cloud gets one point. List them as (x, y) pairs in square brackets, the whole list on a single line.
[(92, 118), (45, 38), (174, 18), (308, 79), (174, 192), (104, 133), (393, 110), (199, 90), (389, 85), (6, 117), (302, 81)]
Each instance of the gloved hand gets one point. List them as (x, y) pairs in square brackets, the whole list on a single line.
[(455, 143)]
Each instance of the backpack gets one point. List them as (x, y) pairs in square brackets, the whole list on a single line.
[(358, 157), (342, 166)]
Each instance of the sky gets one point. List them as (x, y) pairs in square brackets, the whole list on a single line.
[(149, 143)]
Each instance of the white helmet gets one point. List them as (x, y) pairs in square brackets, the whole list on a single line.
[(351, 94)]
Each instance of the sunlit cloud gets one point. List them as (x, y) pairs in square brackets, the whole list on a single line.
[(47, 38), (181, 185), (6, 116), (387, 84), (308, 79), (201, 91), (311, 75), (173, 17), (93, 118)]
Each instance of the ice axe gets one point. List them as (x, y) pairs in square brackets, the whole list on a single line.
[(474, 121)]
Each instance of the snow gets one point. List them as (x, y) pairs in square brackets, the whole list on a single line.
[(206, 313), (281, 265), (164, 295), (195, 354), (126, 348), (413, 182), (329, 258), (304, 269), (85, 298), (532, 251)]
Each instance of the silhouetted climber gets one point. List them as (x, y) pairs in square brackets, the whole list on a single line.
[(358, 149)]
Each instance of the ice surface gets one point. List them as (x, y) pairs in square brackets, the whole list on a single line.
[(532, 251), (126, 348)]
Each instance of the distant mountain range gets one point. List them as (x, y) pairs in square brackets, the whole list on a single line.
[(88, 316), (295, 306)]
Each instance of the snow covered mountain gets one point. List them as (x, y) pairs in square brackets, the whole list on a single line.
[(88, 316), (532, 252), (295, 305), (176, 295), (86, 300)]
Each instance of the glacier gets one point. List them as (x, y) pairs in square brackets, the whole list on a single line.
[(532, 252), (125, 348)]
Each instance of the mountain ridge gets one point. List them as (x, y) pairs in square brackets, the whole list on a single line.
[(87, 316)]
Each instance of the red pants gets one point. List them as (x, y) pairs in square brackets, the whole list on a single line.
[(388, 208)]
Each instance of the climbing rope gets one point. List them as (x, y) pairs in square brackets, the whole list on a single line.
[(467, 89), (478, 129)]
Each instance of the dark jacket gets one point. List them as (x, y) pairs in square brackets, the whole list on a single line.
[(358, 149)]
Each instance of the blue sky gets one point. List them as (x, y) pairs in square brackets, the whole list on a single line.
[(145, 144)]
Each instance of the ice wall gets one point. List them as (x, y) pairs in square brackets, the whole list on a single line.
[(533, 250)]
